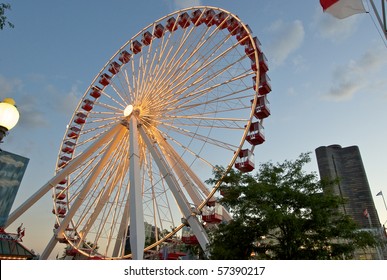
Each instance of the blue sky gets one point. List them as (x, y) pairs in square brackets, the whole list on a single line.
[(328, 78)]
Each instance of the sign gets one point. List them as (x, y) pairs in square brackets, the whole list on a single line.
[(12, 168)]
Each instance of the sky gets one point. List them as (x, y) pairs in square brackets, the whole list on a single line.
[(328, 78)]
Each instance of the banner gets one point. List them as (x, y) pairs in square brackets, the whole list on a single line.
[(12, 168)]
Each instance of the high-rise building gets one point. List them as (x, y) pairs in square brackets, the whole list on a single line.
[(346, 165)]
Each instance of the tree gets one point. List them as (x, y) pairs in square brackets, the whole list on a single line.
[(3, 18), (283, 213)]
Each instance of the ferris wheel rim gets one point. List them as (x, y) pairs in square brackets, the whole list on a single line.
[(128, 43)]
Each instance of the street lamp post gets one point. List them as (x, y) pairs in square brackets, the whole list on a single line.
[(9, 116)]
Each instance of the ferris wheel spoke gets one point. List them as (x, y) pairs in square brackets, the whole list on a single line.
[(232, 100), (96, 130), (204, 80), (189, 151), (111, 108), (203, 138), (123, 103), (205, 62), (198, 93), (209, 124), (169, 64), (197, 75)]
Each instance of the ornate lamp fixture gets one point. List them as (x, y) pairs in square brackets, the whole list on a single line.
[(9, 116)]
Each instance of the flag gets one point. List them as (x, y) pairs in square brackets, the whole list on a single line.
[(343, 8), (380, 193)]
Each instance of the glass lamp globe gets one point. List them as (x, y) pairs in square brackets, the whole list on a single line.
[(9, 115)]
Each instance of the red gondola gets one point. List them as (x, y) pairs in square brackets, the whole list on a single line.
[(262, 109), (233, 26), (250, 46), (255, 135), (209, 17), (81, 118), (159, 31), (104, 79), (60, 196), (67, 150), (59, 210), (184, 20), (146, 38), (197, 18), (188, 237), (221, 20), (114, 67), (212, 214), (263, 66), (172, 256), (243, 35), (124, 57), (245, 161), (171, 24), (96, 92), (88, 105), (72, 135), (264, 85), (64, 181), (71, 252), (65, 158), (136, 47)]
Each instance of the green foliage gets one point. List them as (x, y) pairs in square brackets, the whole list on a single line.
[(3, 19), (283, 213)]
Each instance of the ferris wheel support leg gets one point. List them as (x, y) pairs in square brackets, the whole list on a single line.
[(137, 228), (181, 200), (187, 183), (50, 246)]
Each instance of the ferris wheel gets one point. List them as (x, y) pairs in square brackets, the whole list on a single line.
[(184, 95)]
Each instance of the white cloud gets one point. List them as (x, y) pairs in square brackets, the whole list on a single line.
[(356, 75), (37, 102), (9, 86), (334, 29), (288, 38), (31, 114), (63, 102), (71, 99)]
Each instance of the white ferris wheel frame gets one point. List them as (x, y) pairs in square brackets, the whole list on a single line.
[(170, 164)]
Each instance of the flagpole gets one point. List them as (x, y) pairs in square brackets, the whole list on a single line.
[(382, 23), (384, 17)]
